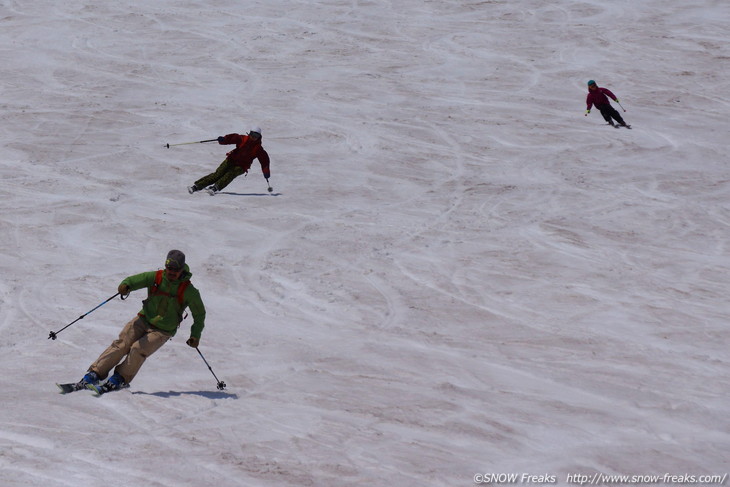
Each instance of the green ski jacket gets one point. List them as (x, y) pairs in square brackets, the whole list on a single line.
[(162, 309)]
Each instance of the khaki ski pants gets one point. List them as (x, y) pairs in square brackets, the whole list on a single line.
[(137, 341)]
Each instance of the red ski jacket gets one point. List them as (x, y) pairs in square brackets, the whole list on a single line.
[(247, 149), (598, 97)]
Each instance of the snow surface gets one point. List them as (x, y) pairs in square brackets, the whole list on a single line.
[(457, 272)]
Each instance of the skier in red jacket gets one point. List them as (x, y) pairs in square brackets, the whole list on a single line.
[(237, 162), (599, 97)]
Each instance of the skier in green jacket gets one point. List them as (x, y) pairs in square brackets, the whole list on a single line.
[(169, 292)]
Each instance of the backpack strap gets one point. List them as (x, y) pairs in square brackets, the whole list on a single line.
[(155, 288), (181, 291), (245, 142)]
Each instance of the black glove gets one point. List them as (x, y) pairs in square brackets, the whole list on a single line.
[(221, 139), (193, 342), (124, 289)]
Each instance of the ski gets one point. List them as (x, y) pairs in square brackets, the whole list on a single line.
[(100, 390), (95, 388), (70, 387), (619, 126)]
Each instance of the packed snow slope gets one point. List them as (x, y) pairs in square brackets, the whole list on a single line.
[(457, 273)]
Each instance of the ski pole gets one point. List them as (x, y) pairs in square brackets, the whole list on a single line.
[(619, 104), (269, 185), (54, 334), (186, 143), (221, 385)]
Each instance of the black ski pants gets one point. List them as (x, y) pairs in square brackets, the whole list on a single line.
[(608, 112)]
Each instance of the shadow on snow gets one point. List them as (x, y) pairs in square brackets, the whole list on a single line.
[(247, 194), (207, 394)]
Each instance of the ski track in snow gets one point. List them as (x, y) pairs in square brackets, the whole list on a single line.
[(457, 272)]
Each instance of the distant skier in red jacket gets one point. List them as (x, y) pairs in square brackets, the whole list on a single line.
[(237, 162), (599, 97)]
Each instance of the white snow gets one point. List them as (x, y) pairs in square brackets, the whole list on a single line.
[(457, 272)]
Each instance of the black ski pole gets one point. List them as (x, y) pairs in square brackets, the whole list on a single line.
[(269, 185), (221, 385), (53, 334), (196, 142)]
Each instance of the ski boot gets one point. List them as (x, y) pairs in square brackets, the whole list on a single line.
[(91, 377), (113, 383)]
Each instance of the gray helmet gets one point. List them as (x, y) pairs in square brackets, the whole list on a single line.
[(175, 260)]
